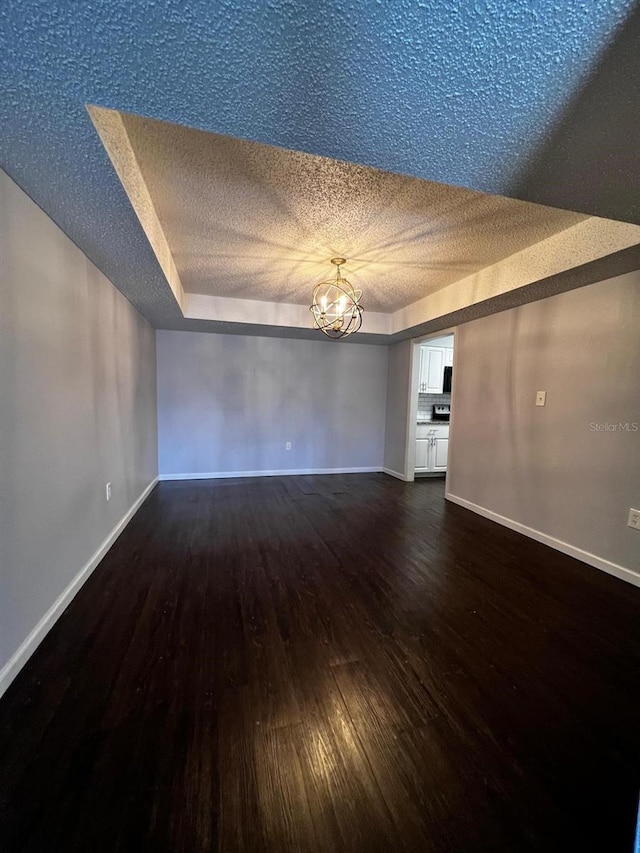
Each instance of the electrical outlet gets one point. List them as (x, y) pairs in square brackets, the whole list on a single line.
[(634, 519), (107, 491), (541, 398), (287, 446)]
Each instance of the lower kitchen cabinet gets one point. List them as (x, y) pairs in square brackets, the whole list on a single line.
[(432, 448), (422, 453), (439, 453)]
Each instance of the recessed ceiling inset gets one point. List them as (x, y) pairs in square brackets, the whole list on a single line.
[(254, 221), (241, 229)]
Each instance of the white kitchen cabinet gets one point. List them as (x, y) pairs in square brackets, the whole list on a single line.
[(448, 357), (423, 370), (422, 453), (432, 447), (431, 370), (439, 453)]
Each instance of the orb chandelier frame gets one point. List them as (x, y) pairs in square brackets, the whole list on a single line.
[(336, 305)]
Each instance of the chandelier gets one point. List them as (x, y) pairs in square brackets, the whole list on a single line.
[(336, 305)]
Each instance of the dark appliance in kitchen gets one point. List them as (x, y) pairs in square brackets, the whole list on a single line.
[(446, 384), (441, 412)]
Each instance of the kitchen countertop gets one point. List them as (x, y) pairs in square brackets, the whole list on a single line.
[(433, 423)]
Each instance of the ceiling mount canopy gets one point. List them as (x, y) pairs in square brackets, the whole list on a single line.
[(336, 305)]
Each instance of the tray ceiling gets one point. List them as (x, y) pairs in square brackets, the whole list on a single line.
[(254, 221), (242, 231)]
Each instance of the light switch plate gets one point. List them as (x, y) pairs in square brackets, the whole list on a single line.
[(634, 519), (541, 398)]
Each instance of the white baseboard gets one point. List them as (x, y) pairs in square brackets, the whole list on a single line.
[(35, 637), (289, 472), (396, 474), (591, 559)]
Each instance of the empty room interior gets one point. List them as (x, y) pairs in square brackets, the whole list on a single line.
[(320, 426)]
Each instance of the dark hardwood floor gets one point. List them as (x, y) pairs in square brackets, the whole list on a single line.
[(326, 664)]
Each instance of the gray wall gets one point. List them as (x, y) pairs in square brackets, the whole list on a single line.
[(397, 407), (228, 403), (77, 409), (545, 467)]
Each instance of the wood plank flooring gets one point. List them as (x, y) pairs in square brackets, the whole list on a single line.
[(327, 663)]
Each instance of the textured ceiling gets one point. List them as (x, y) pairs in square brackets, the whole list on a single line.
[(254, 221), (469, 94)]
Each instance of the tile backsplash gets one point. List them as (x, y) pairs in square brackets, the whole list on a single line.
[(426, 401)]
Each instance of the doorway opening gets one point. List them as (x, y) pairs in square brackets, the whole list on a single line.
[(430, 408)]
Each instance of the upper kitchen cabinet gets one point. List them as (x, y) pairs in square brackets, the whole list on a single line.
[(433, 361), (431, 370)]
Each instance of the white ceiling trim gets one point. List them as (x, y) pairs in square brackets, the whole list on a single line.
[(255, 312)]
